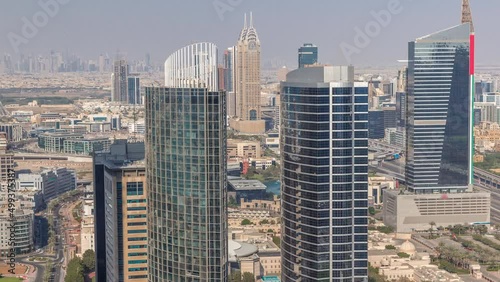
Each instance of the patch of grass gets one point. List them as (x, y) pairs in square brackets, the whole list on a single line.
[(277, 241)]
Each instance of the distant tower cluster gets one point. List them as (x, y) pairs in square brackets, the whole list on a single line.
[(247, 78)]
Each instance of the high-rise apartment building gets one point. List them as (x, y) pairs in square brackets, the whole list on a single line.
[(324, 143), (439, 115), (120, 213), (186, 170), (6, 160), (308, 55), (119, 88), (247, 75)]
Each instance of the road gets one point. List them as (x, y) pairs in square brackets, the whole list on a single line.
[(59, 244), (40, 268)]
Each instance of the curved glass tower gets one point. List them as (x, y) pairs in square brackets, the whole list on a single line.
[(324, 141), (186, 170)]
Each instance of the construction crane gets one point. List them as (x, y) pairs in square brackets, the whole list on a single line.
[(466, 14)]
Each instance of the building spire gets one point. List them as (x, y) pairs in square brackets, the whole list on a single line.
[(245, 22), (251, 19), (466, 14)]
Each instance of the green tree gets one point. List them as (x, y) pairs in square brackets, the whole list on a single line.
[(403, 255), (74, 272), (264, 221), (390, 247), (371, 210), (88, 260), (385, 229), (246, 222), (235, 276), (232, 202), (248, 277)]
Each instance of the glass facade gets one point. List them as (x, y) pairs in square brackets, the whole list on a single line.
[(376, 124), (134, 90), (439, 112), (186, 179), (308, 55), (324, 139)]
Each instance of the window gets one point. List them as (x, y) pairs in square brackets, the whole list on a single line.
[(135, 188), (136, 231)]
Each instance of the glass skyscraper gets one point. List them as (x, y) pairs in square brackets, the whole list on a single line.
[(324, 141), (186, 170), (134, 90), (308, 55), (439, 114)]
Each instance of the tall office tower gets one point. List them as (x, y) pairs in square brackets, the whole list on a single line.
[(120, 203), (376, 128), (401, 108), (308, 55), (134, 90), (390, 115), (324, 140), (186, 170), (229, 73), (402, 79), (247, 77), (148, 62), (439, 140), (101, 63), (119, 89), (440, 145), (221, 75)]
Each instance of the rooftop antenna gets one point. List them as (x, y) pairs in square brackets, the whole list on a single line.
[(245, 22), (251, 19)]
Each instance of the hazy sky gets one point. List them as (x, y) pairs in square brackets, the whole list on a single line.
[(91, 27)]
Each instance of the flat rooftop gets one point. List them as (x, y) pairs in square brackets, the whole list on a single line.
[(244, 184)]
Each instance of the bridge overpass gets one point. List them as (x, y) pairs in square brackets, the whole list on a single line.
[(48, 157)]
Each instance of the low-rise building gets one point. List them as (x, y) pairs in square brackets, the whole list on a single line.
[(87, 226), (376, 187), (407, 212), (243, 149), (52, 182), (247, 189), (24, 227), (433, 273)]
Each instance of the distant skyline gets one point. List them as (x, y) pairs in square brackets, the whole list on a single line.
[(89, 28)]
